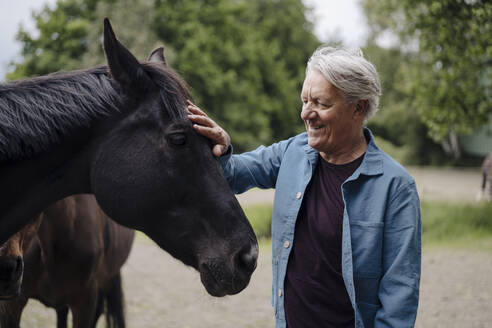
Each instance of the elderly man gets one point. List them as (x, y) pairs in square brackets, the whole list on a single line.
[(346, 226)]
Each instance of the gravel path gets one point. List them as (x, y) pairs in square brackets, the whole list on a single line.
[(456, 286), (456, 292)]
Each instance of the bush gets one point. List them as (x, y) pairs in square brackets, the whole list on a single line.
[(400, 154)]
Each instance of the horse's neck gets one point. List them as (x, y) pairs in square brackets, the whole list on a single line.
[(74, 112), (28, 186)]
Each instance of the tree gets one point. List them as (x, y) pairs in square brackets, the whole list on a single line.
[(448, 45), (398, 121), (244, 60), (61, 39)]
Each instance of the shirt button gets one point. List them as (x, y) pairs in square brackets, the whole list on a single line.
[(286, 244), (298, 196), (280, 293)]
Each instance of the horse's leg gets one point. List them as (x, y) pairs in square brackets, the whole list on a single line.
[(84, 308), (11, 312), (99, 308), (61, 317), (487, 186), (116, 302), (481, 194)]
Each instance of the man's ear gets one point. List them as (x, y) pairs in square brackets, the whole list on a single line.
[(361, 108)]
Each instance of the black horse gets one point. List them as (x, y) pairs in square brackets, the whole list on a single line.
[(124, 136)]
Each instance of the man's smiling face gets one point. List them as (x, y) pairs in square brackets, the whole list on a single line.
[(329, 120)]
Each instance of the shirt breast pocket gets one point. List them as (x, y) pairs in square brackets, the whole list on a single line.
[(367, 248)]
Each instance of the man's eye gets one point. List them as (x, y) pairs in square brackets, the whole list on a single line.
[(177, 139)]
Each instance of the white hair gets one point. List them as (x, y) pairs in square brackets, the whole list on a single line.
[(349, 72)]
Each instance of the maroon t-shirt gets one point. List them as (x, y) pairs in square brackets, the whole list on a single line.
[(315, 294)]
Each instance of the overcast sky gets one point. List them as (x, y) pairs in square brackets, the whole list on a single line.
[(331, 17)]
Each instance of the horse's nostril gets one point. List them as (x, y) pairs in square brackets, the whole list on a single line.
[(246, 259)]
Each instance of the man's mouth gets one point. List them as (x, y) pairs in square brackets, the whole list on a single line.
[(314, 127)]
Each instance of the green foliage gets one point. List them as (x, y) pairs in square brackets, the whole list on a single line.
[(398, 122), (457, 225), (260, 217), (448, 46), (400, 154), (244, 60)]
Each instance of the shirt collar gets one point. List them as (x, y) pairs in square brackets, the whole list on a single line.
[(372, 164)]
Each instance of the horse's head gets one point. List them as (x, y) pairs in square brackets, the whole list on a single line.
[(11, 259), (154, 173)]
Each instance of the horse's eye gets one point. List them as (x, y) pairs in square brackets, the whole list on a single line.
[(177, 139)]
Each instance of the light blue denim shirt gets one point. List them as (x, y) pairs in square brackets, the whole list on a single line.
[(381, 234)]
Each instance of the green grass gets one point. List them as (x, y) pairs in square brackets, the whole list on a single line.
[(459, 226), (465, 226), (260, 217)]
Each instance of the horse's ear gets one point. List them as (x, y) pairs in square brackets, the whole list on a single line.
[(123, 66), (157, 56)]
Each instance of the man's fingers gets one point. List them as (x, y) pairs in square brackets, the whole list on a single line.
[(218, 150), (202, 120), (204, 130), (208, 128), (214, 133), (195, 110)]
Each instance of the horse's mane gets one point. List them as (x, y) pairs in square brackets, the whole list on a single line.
[(37, 112)]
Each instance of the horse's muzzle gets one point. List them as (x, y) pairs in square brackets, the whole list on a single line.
[(222, 278), (11, 270)]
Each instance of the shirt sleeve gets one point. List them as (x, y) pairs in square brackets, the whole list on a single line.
[(399, 285), (257, 168)]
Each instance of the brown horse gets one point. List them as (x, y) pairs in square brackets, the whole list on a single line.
[(11, 259), (74, 263)]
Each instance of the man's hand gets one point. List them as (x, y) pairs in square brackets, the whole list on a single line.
[(208, 128)]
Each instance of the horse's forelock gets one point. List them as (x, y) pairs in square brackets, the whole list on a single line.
[(173, 89)]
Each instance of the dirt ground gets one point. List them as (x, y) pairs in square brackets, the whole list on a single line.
[(456, 286), (456, 292)]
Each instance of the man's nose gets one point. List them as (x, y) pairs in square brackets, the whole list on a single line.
[(307, 113)]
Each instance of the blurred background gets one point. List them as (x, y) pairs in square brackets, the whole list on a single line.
[(245, 62)]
